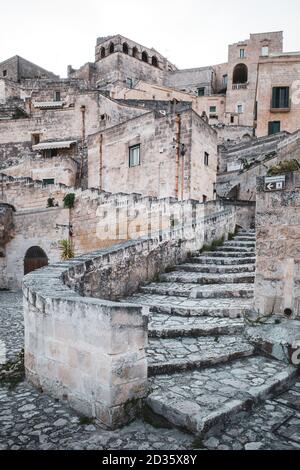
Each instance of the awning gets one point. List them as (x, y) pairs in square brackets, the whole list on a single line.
[(48, 104), (65, 144)]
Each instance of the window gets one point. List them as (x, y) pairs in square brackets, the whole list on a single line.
[(154, 61), (134, 155), (145, 57), (57, 96), (204, 198), (102, 52), (4, 73), (35, 139), (206, 157), (280, 97), (125, 48), (240, 74), (212, 109), (242, 53), (129, 82), (265, 51), (225, 80), (48, 181), (135, 52), (111, 48), (201, 91), (232, 119), (50, 153), (240, 109), (274, 127)]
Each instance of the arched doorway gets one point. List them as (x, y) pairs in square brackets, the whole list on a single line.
[(240, 74), (35, 258)]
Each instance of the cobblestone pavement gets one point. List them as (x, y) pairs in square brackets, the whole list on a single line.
[(11, 324), (32, 420)]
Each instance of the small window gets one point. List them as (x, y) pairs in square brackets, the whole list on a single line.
[(225, 80), (135, 52), (48, 181), (212, 109), (111, 48), (50, 153), (240, 109), (57, 96), (129, 83), (206, 158), (265, 51), (274, 127), (204, 198), (102, 52), (145, 57), (232, 119), (35, 139), (201, 91), (280, 97), (242, 53), (154, 61), (4, 73), (134, 155), (125, 48)]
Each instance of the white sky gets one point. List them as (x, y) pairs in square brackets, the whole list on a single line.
[(191, 33)]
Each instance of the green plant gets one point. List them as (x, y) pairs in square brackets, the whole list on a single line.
[(284, 167), (69, 200), (50, 202), (213, 246), (66, 249)]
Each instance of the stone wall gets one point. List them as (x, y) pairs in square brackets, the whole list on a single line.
[(277, 282), (91, 352)]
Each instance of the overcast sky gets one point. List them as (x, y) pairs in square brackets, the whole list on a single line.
[(191, 33)]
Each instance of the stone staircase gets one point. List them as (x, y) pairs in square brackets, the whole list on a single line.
[(202, 371)]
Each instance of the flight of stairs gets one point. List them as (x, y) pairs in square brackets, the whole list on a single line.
[(202, 371)]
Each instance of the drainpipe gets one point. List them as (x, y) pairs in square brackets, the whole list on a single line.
[(82, 109), (178, 131), (100, 161)]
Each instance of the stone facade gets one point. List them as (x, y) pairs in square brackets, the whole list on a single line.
[(277, 266)]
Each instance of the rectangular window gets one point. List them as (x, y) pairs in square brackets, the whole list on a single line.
[(57, 96), (240, 109), (281, 97), (212, 109), (4, 73), (242, 53), (50, 153), (265, 51), (35, 139), (232, 119), (201, 91), (129, 83), (204, 198), (134, 155), (274, 127), (225, 80), (48, 181), (206, 158)]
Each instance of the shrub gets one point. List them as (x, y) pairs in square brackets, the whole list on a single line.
[(66, 249), (284, 167), (69, 200)]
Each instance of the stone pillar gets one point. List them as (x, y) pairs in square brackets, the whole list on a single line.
[(88, 352)]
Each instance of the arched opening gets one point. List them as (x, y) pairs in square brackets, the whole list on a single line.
[(125, 48), (35, 258), (154, 61), (135, 52), (111, 48), (102, 53), (145, 57), (240, 74)]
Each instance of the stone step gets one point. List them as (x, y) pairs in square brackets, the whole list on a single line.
[(232, 308), (229, 254), (238, 243), (214, 269), (235, 249), (179, 354), (245, 238), (249, 231), (170, 326), (202, 278), (222, 260), (196, 292), (202, 399)]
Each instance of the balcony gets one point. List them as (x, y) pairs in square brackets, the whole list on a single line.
[(240, 86)]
